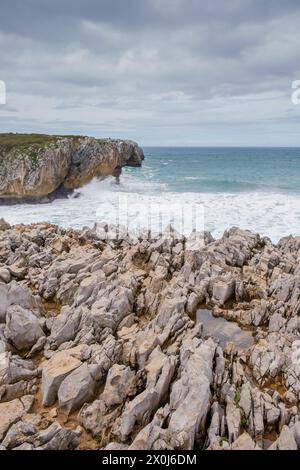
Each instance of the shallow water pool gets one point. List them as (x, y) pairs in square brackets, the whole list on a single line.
[(223, 330)]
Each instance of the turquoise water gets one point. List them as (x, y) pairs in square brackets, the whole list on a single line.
[(228, 170), (253, 188)]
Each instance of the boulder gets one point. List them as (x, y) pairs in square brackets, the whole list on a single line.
[(233, 420), (5, 275), (95, 417), (22, 328), (153, 436), (54, 372), (120, 383), (190, 395), (19, 434), (56, 437), (64, 328), (103, 356), (17, 376), (12, 411), (76, 389), (16, 294), (160, 370), (244, 442), (285, 441), (223, 290)]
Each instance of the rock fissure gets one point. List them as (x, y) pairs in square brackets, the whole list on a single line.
[(105, 352)]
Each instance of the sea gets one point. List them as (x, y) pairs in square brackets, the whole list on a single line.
[(191, 188)]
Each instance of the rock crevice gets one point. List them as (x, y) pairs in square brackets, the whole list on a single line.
[(100, 345)]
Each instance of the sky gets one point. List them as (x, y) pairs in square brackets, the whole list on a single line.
[(161, 72)]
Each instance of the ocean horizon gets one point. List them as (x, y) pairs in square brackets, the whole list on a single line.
[(255, 188)]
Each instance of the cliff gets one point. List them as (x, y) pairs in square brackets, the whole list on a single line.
[(37, 166)]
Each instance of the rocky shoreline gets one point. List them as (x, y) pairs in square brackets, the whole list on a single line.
[(99, 347), (40, 168)]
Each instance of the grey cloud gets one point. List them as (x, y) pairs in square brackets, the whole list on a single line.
[(150, 68)]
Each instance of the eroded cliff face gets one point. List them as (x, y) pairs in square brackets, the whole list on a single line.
[(91, 157), (35, 171)]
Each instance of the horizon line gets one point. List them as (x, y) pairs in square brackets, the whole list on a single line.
[(222, 146)]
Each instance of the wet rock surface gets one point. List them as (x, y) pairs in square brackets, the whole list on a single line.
[(99, 347)]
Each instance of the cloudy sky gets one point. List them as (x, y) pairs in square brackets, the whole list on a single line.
[(162, 72)]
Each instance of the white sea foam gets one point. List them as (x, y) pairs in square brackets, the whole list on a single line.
[(270, 214)]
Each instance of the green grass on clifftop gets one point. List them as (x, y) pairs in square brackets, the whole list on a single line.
[(12, 144), (19, 140)]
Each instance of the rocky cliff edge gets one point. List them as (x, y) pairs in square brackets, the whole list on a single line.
[(35, 166)]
